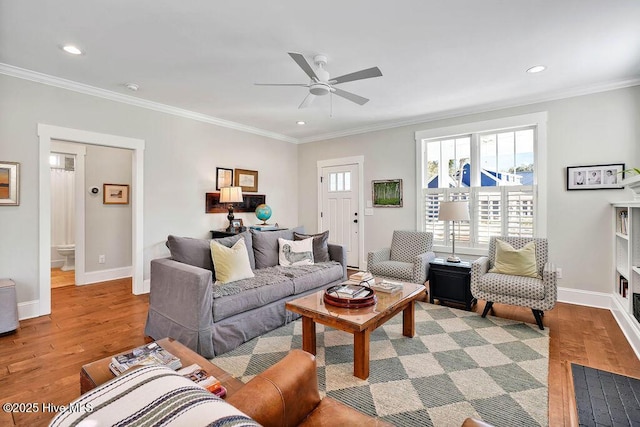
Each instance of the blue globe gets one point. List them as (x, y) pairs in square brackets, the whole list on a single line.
[(263, 212)]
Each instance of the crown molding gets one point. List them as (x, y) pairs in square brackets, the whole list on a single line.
[(37, 77), (484, 108)]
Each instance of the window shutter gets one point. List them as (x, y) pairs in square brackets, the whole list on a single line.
[(520, 211), (432, 202), (488, 213)]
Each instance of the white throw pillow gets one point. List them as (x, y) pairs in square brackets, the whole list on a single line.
[(230, 264), (295, 252)]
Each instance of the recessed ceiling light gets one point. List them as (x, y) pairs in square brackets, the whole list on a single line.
[(301, 122), (536, 69), (132, 86), (69, 48)]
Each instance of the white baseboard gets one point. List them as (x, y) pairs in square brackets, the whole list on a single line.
[(628, 324), (106, 275), (588, 298), (57, 264), (28, 309)]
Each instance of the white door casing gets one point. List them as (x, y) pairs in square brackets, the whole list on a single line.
[(340, 205)]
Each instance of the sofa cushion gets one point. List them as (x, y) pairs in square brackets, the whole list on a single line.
[(232, 263), (197, 252), (151, 395), (248, 241), (295, 252), (395, 269), (314, 276), (187, 250), (320, 245), (268, 285), (515, 286), (265, 245), (517, 262)]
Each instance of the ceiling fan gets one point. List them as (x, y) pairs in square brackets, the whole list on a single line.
[(321, 84)]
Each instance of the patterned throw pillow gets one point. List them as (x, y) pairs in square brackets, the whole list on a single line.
[(320, 245), (516, 262), (293, 252), (231, 263)]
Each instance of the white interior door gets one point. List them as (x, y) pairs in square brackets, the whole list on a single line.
[(339, 210)]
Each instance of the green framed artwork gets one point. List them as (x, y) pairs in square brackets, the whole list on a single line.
[(387, 193)]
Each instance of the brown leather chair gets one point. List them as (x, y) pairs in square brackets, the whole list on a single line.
[(286, 394)]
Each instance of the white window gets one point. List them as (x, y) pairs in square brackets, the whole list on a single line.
[(496, 167), (339, 181)]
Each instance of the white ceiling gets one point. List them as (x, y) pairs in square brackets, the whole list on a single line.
[(438, 58)]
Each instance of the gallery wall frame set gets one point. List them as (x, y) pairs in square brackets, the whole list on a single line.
[(115, 194), (224, 178), (386, 193), (247, 179), (595, 177), (9, 183)]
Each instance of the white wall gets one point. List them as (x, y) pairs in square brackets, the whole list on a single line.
[(594, 129), (181, 156), (107, 227)]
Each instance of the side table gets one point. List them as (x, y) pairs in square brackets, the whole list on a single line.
[(450, 282)]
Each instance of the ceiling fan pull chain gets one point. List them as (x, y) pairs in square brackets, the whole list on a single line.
[(330, 105)]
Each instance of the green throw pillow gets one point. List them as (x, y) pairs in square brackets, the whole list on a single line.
[(516, 262)]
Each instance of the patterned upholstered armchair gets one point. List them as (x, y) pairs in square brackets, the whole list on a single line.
[(407, 259), (538, 294)]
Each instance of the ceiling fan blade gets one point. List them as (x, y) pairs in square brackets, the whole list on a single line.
[(307, 101), (358, 75), (281, 84), (302, 63), (350, 96)]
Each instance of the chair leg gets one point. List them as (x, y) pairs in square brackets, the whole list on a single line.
[(538, 315), (487, 307)]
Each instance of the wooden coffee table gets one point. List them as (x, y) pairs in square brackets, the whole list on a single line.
[(359, 322), (97, 373)]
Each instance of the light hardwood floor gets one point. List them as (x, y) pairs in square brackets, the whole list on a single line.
[(60, 279), (41, 362)]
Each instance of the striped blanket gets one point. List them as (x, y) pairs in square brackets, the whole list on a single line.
[(150, 396)]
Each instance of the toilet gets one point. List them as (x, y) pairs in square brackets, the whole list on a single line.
[(69, 254)]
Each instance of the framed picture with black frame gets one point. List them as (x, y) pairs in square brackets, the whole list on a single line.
[(595, 177), (224, 178)]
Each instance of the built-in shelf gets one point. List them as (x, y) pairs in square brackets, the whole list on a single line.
[(636, 269), (623, 236), (626, 227)]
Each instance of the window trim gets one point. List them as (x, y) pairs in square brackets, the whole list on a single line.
[(539, 120)]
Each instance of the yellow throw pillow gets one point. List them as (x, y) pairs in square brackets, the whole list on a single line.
[(232, 263), (516, 262)]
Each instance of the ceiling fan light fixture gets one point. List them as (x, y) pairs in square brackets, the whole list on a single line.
[(73, 50), (536, 69)]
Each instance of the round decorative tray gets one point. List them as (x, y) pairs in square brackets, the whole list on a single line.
[(350, 296)]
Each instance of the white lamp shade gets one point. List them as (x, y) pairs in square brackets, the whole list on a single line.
[(454, 211), (231, 195)]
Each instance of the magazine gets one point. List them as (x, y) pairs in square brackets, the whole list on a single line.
[(201, 377), (149, 354), (387, 286), (347, 290)]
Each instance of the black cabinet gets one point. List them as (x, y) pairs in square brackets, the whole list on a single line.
[(451, 282)]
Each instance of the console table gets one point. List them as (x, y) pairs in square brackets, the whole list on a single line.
[(450, 282)]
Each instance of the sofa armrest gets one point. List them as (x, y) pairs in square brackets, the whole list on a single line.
[(338, 253), (421, 266), (181, 294), (375, 257), (479, 267), (284, 394)]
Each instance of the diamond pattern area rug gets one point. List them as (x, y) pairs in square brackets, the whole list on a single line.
[(458, 365)]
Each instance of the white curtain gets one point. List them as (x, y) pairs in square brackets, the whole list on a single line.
[(62, 207)]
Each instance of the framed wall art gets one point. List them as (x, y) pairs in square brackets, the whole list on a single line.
[(595, 177), (246, 179), (387, 193), (9, 183), (249, 203), (115, 194), (224, 178)]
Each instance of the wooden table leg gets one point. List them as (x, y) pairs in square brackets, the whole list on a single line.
[(409, 320), (308, 335), (361, 354)]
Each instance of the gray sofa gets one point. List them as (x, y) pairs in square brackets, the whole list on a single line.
[(187, 305)]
